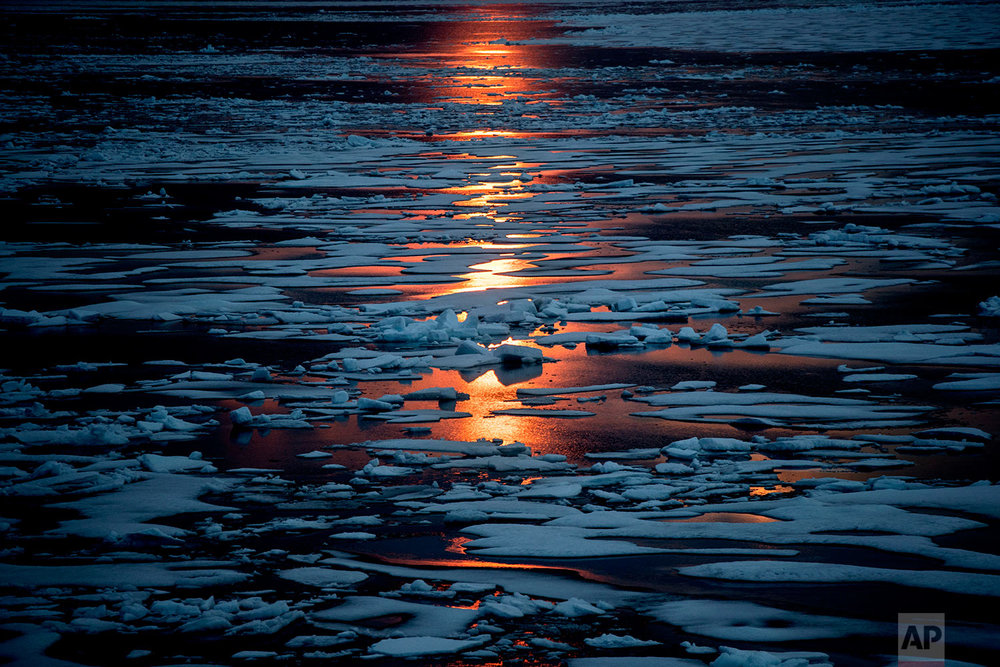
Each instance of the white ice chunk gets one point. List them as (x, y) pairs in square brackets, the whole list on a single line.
[(322, 576), (412, 647)]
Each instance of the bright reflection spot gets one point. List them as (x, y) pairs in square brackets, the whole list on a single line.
[(474, 605), (490, 66), (467, 135), (500, 246), (492, 390), (470, 563), (487, 387), (491, 194), (486, 188), (485, 245), (494, 199), (506, 341), (765, 491), (492, 275), (455, 545), (476, 134)]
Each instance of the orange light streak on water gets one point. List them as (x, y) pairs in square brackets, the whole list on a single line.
[(465, 135), (474, 605), (491, 68), (485, 245), (492, 275), (478, 564), (494, 199), (758, 491), (486, 187), (455, 545)]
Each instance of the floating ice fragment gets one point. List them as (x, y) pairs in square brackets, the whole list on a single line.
[(575, 607), (256, 395), (418, 618), (110, 388), (731, 657), (435, 394), (609, 640), (990, 307), (967, 583), (961, 431), (610, 341), (412, 647), (758, 311), (374, 405), (158, 463), (693, 385), (322, 576), (518, 354), (987, 382), (756, 342), (673, 468), (745, 621), (878, 377)]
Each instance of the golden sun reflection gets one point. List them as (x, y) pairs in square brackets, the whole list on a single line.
[(498, 246), (490, 201), (478, 134), (491, 61), (483, 245), (490, 196), (455, 545), (474, 605), (493, 275), (506, 341), (756, 491), (494, 390), (485, 564)]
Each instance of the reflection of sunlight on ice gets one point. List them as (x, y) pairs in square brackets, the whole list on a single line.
[(482, 386), (447, 562), (494, 198), (476, 134), (491, 67), (473, 605), (765, 491), (491, 196), (492, 275), (499, 246), (454, 545)]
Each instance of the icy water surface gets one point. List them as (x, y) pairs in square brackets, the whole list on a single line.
[(586, 333)]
